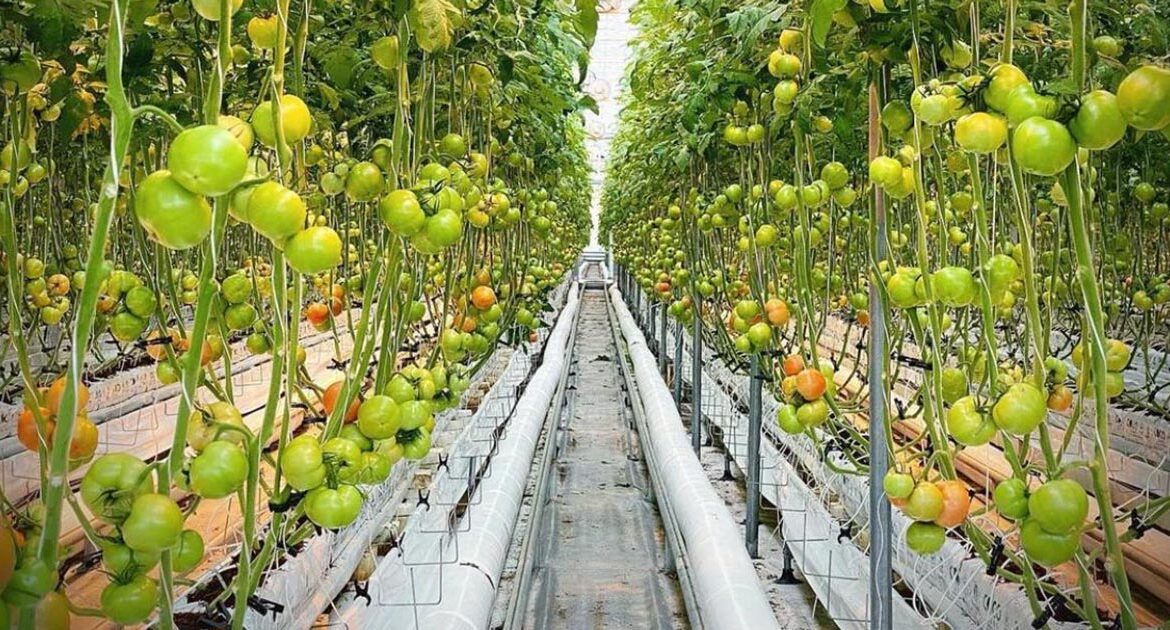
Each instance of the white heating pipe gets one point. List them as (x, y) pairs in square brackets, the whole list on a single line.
[(469, 585), (727, 590)]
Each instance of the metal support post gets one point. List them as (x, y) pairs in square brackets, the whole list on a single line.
[(881, 611), (662, 340), (755, 425), (678, 338), (696, 381)]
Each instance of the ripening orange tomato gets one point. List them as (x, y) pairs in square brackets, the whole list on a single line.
[(793, 364), (956, 503), (317, 314), (483, 297), (811, 384), (329, 401), (1060, 399), (84, 442), (57, 390), (26, 428), (776, 311)]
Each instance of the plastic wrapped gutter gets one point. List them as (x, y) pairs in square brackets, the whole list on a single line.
[(727, 588)]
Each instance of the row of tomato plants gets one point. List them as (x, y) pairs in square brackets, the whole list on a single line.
[(404, 178), (980, 179)]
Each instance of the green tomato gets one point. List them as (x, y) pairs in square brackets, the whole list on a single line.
[(898, 485), (379, 417), (207, 160), (1045, 548), (189, 553), (52, 612), (295, 120), (1024, 103), (236, 288), (954, 384), (400, 390), (344, 456), (313, 250), (925, 539), (333, 508), (354, 434), (154, 524), (967, 425), (444, 228), (239, 317), (127, 327), (813, 413), (111, 485), (1099, 123), (1042, 147), (1011, 498), (210, 9), (375, 468), (219, 471), (203, 426), (301, 461), (416, 443), (131, 602), (1059, 506), (172, 216), (402, 213), (141, 302), (414, 414), (30, 582), (364, 182), (1020, 409), (981, 132), (925, 502), (122, 561), (954, 286), (786, 418), (1144, 98), (391, 449), (276, 212)]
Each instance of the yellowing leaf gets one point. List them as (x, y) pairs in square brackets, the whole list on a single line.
[(433, 22)]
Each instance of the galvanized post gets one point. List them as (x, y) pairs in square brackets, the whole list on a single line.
[(662, 340), (678, 337), (755, 425), (881, 611), (647, 316), (696, 381)]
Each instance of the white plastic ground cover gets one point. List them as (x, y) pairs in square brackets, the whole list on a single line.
[(727, 589), (950, 586), (307, 583), (445, 572)]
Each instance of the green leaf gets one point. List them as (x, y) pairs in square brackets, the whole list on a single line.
[(582, 67), (507, 69), (433, 23), (339, 65), (586, 21), (587, 102), (821, 13), (330, 96)]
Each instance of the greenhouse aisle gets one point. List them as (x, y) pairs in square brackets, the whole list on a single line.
[(606, 546)]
